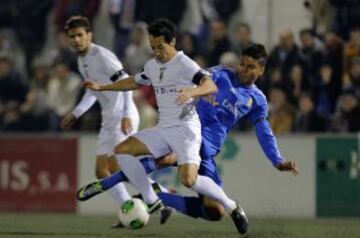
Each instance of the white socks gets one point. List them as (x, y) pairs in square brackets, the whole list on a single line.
[(119, 193), (208, 187), (137, 176)]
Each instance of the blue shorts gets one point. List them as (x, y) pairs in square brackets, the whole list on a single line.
[(208, 166)]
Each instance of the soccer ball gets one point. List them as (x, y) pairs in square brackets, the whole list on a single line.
[(133, 214)]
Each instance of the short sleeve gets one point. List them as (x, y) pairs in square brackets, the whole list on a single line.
[(142, 78), (190, 69), (113, 66)]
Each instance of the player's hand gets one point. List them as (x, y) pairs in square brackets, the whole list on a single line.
[(184, 95), (126, 126), (288, 166), (211, 99), (91, 85), (68, 121)]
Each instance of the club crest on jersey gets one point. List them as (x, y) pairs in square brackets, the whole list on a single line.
[(249, 102), (161, 73)]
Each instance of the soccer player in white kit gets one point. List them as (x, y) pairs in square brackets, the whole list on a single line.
[(120, 117), (176, 80)]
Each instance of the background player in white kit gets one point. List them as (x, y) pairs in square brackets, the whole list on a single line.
[(120, 117), (174, 77)]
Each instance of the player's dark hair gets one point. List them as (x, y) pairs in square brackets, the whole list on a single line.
[(77, 21), (257, 52), (162, 27)]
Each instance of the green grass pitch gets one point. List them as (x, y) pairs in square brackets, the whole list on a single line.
[(17, 225)]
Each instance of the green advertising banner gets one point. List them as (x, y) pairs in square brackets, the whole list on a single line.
[(338, 176)]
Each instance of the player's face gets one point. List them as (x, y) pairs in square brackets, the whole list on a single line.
[(249, 70), (79, 39), (162, 50)]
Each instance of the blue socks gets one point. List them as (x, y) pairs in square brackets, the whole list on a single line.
[(108, 182), (190, 206)]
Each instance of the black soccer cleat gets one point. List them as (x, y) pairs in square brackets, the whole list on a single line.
[(240, 220), (165, 214), (158, 206)]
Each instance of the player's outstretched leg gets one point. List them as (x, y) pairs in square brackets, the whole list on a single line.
[(90, 190)]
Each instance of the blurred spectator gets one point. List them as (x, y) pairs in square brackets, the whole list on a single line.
[(333, 57), (122, 15), (354, 74), (36, 116), (211, 10), (138, 51), (243, 37), (230, 59), (13, 86), (307, 120), (62, 52), (325, 94), (285, 55), (219, 42), (11, 120), (352, 48), (348, 115), (29, 21), (63, 89), (298, 82), (66, 8), (323, 14), (200, 59), (281, 113), (347, 15), (312, 50), (149, 10), (189, 45)]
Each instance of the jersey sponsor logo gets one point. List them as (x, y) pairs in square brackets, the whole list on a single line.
[(233, 108), (165, 90)]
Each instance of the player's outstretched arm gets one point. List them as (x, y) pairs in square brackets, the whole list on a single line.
[(205, 87), (268, 144), (120, 85)]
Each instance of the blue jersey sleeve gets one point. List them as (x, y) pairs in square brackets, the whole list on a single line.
[(267, 142), (257, 114)]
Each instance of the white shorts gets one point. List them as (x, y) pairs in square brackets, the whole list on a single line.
[(111, 135), (184, 141)]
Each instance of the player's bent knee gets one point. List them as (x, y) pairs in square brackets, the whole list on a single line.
[(123, 148), (101, 173), (188, 180)]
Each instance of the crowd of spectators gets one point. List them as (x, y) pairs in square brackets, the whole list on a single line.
[(313, 86)]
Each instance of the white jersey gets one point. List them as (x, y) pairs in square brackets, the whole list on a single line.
[(101, 66), (166, 78)]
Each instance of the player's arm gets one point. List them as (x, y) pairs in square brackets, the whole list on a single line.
[(84, 105), (121, 85), (268, 144), (267, 140), (205, 86)]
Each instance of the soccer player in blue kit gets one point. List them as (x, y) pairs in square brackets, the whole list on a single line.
[(237, 97)]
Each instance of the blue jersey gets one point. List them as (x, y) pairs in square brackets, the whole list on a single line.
[(235, 101)]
